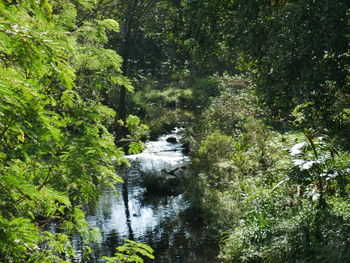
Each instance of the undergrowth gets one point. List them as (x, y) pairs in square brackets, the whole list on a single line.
[(270, 196)]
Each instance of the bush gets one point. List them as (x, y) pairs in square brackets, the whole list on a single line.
[(274, 197)]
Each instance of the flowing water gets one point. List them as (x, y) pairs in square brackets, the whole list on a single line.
[(162, 220)]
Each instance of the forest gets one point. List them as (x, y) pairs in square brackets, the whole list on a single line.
[(261, 89)]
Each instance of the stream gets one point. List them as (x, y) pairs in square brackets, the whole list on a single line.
[(161, 218)]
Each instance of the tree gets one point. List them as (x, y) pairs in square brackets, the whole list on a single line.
[(55, 149), (150, 42), (296, 51)]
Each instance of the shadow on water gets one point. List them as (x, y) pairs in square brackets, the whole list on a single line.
[(142, 212)]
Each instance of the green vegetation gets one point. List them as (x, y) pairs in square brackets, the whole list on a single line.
[(55, 147), (261, 86), (275, 197), (271, 153), (129, 253)]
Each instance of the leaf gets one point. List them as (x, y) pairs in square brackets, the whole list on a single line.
[(53, 196), (135, 147), (132, 121), (123, 81), (67, 99), (110, 24), (129, 252), (20, 136)]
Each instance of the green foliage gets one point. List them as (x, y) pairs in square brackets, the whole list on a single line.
[(273, 197), (55, 148), (298, 220), (138, 132), (319, 168), (18, 236), (215, 148), (230, 145), (131, 251), (203, 89), (57, 75), (170, 97), (297, 50)]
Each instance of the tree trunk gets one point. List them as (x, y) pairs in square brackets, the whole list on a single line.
[(121, 130)]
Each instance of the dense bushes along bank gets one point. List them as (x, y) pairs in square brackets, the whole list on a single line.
[(272, 195)]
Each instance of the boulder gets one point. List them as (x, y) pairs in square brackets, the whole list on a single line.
[(171, 140)]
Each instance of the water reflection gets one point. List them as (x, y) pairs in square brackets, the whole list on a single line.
[(163, 222)]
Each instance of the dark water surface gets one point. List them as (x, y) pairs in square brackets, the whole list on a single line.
[(165, 222)]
